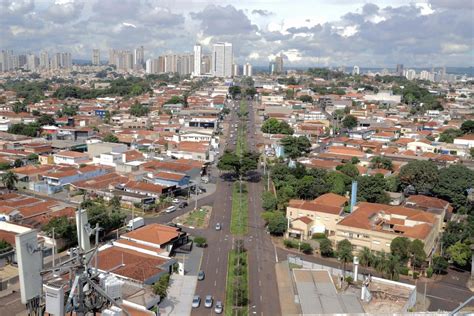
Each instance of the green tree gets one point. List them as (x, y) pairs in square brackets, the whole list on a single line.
[(234, 91), (380, 162), (338, 182), (277, 225), (110, 138), (372, 189), (440, 265), (18, 163), (161, 287), (460, 253), (138, 109), (115, 203), (9, 180), (350, 121), (454, 181), (251, 92), (392, 267), (467, 127), (325, 247), (269, 201), (458, 231), (295, 147), (4, 245), (64, 228), (18, 107), (417, 252), (380, 261), (229, 161), (310, 187), (348, 169), (355, 160), (274, 126), (400, 247), (46, 119), (344, 252), (448, 135), (422, 175), (306, 98), (366, 257)]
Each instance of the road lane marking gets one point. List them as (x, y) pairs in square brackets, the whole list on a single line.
[(217, 270), (261, 299), (215, 283)]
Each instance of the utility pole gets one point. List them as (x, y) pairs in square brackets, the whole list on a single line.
[(54, 249)]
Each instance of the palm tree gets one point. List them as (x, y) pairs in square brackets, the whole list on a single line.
[(366, 257), (9, 180), (392, 267), (380, 261), (344, 252)]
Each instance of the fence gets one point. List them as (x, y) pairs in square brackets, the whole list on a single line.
[(314, 266)]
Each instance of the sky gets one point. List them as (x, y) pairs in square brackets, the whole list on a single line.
[(377, 33)]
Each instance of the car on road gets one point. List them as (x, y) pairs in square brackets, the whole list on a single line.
[(218, 308), (196, 301), (202, 189), (208, 301), (170, 209), (183, 204), (201, 275), (218, 226), (176, 201)]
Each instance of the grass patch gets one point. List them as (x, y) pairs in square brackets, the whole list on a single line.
[(239, 215), (241, 146), (196, 218), (235, 280)]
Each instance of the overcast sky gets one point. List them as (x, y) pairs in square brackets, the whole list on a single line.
[(378, 33)]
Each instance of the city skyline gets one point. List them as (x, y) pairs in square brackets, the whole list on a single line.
[(380, 33)]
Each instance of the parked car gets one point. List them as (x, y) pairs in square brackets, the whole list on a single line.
[(202, 189), (170, 209), (201, 275), (218, 308), (183, 204), (208, 301), (175, 201), (196, 301), (218, 226)]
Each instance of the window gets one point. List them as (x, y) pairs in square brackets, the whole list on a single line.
[(366, 236)]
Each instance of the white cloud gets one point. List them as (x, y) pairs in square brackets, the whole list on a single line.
[(454, 48), (129, 25)]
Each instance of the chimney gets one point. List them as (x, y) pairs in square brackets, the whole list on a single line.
[(353, 195)]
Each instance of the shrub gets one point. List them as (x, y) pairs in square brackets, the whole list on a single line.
[(318, 236), (404, 270), (289, 243), (349, 279), (306, 248), (415, 275), (200, 241), (429, 272), (325, 248)]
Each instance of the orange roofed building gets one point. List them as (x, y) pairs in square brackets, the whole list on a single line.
[(317, 216), (375, 225)]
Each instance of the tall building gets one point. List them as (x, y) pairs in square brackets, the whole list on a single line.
[(272, 67), (411, 74), (235, 70), (399, 71), (66, 60), (139, 56), (247, 70), (206, 64), (279, 64), (222, 60), (95, 57), (124, 60), (112, 57), (185, 64), (356, 71), (44, 60), (32, 62), (152, 66), (197, 60)]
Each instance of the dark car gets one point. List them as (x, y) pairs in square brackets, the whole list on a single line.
[(201, 275), (183, 204)]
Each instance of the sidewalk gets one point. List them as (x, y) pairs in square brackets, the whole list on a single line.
[(180, 295), (285, 290)]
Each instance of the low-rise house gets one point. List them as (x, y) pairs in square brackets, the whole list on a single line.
[(317, 216), (466, 140), (56, 180), (70, 158)]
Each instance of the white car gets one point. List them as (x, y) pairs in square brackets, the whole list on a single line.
[(196, 301), (218, 308), (208, 301), (170, 209), (175, 201)]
